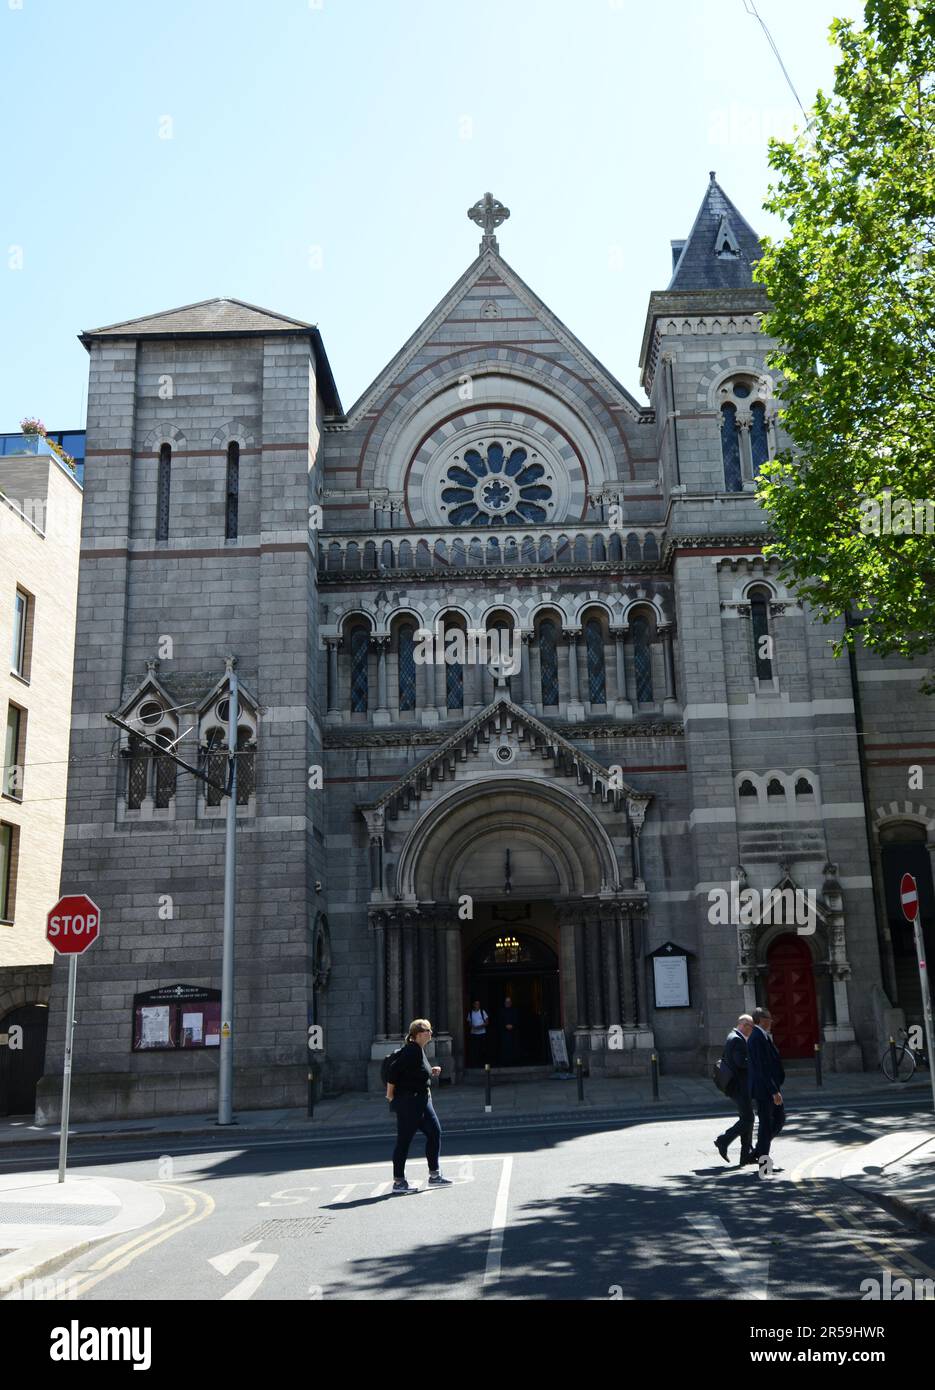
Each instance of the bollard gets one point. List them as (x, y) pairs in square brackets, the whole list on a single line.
[(579, 1070), (487, 1105), (311, 1095), (818, 1080), (654, 1060), (893, 1062)]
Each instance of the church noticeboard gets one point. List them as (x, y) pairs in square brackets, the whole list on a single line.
[(176, 1016), (670, 977), (559, 1049)]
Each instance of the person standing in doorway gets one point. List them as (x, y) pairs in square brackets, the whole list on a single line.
[(765, 1078), (477, 1019), (509, 1032), (735, 1055), (409, 1092)]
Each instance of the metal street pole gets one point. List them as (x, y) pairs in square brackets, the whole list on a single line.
[(226, 1060), (66, 1077), (926, 998)]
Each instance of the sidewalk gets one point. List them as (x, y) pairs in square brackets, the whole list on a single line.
[(898, 1171), (530, 1102)]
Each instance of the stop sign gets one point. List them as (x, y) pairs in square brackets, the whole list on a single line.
[(73, 924), (909, 897)]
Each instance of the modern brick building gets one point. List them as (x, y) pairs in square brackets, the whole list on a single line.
[(40, 534), (416, 834)]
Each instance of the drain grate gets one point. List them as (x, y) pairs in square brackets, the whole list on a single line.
[(289, 1228), (55, 1214)]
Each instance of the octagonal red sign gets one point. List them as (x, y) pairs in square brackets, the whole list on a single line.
[(73, 924)]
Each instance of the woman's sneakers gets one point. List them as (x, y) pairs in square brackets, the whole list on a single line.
[(402, 1189), (436, 1180)]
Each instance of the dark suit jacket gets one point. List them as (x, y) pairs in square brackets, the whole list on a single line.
[(765, 1074), (735, 1055)]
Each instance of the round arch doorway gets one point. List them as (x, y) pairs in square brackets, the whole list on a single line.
[(510, 964)]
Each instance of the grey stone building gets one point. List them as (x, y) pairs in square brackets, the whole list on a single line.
[(636, 719)]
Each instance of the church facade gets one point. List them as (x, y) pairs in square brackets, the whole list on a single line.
[(522, 704)]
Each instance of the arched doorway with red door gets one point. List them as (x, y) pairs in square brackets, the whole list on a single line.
[(791, 996)]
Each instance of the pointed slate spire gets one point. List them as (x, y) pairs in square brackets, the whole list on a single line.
[(720, 249)]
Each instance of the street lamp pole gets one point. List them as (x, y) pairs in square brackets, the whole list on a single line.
[(226, 1060)]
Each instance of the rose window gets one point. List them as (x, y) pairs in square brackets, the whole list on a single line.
[(496, 484)]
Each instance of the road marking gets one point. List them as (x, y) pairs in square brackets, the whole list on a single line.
[(125, 1254), (495, 1245), (751, 1273), (246, 1254)]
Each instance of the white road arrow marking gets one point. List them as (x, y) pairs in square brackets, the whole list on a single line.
[(750, 1272), (226, 1264)]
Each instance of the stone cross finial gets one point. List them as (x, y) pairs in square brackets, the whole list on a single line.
[(488, 214)]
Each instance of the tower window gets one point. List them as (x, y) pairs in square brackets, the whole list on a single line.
[(762, 640), (163, 490), (730, 449), (233, 490), (759, 441)]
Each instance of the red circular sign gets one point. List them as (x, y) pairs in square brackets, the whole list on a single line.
[(73, 924), (909, 897)]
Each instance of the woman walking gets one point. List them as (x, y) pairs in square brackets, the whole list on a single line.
[(409, 1092)]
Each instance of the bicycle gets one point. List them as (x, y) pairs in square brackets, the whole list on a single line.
[(906, 1057)]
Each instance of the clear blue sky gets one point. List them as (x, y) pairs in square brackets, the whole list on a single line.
[(366, 128)]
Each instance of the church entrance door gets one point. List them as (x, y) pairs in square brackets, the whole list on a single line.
[(510, 964), (790, 986)]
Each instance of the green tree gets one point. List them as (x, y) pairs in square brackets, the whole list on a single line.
[(852, 291)]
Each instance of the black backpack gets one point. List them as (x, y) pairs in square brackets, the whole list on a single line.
[(723, 1076), (386, 1066)]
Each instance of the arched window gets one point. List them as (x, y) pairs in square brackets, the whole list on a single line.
[(138, 758), (730, 448), (803, 787), (759, 440), (747, 788), (594, 641), (233, 489), (548, 661), (762, 640), (407, 666), (166, 775), (774, 787), (454, 675), (360, 650), (642, 660), (163, 490)]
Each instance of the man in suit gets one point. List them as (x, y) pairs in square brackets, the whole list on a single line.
[(765, 1075), (735, 1055)]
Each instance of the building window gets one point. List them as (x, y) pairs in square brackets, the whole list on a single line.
[(730, 449), (454, 685), (22, 633), (803, 787), (496, 484), (762, 640), (233, 489), (642, 661), (9, 845), (594, 642), (747, 788), (759, 439), (406, 675), (548, 661), (775, 788), (14, 752), (163, 490), (360, 652)]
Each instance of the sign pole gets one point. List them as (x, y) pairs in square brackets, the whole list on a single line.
[(926, 998), (66, 1076)]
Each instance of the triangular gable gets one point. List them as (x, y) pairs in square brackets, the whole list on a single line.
[(502, 716), (700, 267), (491, 269), (243, 695), (150, 685)]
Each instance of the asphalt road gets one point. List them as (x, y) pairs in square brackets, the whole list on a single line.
[(640, 1210)]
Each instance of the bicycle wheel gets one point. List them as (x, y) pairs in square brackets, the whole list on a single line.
[(905, 1064)]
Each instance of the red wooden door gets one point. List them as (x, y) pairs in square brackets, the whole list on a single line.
[(790, 994)]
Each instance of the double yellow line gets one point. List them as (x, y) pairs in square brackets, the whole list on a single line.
[(196, 1207), (808, 1169)]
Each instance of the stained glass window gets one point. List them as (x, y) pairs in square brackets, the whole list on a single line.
[(762, 642), (454, 685), (548, 662), (495, 484), (407, 667), (360, 648), (642, 660), (730, 449), (594, 641), (233, 489), (759, 442)]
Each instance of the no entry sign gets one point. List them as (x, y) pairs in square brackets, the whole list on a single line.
[(909, 897), (73, 924)]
